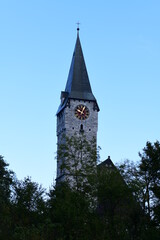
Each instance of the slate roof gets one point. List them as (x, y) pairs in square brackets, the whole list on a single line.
[(78, 85), (107, 163)]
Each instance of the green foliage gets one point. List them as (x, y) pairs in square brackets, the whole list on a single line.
[(144, 181), (120, 213), (77, 159), (101, 203), (6, 183), (149, 170), (28, 201), (70, 211)]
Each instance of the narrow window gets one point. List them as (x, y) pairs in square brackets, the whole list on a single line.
[(81, 128)]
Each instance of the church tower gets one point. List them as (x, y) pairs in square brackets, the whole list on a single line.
[(78, 110)]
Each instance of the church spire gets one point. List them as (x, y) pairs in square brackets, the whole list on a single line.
[(78, 84)]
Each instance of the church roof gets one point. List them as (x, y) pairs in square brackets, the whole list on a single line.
[(107, 163), (78, 85)]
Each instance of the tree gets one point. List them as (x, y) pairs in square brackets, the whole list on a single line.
[(150, 175), (121, 216), (94, 202), (77, 159), (70, 213), (111, 211), (6, 184), (139, 181), (29, 210), (73, 202)]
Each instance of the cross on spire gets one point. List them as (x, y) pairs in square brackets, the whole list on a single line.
[(78, 23)]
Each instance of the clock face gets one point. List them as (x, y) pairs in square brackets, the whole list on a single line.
[(81, 112)]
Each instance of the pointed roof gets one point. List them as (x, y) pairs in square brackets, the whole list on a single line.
[(107, 163), (78, 85)]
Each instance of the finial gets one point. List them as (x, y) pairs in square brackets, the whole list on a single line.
[(78, 23)]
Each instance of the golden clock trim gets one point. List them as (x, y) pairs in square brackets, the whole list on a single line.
[(81, 112)]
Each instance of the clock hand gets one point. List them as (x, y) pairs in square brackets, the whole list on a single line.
[(79, 111), (83, 109)]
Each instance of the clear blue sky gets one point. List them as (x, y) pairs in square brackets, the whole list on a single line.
[(121, 46)]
